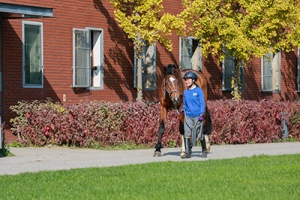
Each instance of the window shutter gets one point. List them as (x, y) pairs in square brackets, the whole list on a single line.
[(149, 67), (81, 58), (135, 70), (267, 72), (298, 77), (276, 73), (186, 53), (228, 70), (242, 78), (200, 56)]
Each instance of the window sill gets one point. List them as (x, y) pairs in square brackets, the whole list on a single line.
[(270, 91), (95, 88), (226, 90)]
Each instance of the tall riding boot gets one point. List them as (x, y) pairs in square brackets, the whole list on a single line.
[(204, 150), (187, 153)]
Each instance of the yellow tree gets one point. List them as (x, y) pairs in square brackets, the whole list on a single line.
[(243, 29), (143, 21)]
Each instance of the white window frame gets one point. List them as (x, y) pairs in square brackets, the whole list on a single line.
[(30, 85), (274, 73), (148, 67), (91, 74), (227, 77), (192, 52)]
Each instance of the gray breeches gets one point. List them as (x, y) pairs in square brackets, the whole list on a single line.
[(189, 124)]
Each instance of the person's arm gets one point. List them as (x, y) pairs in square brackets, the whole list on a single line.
[(202, 102), (184, 102)]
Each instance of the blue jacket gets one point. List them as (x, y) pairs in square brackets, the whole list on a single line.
[(193, 102)]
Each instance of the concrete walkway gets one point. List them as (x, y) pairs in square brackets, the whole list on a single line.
[(32, 159)]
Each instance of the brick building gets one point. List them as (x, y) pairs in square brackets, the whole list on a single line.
[(74, 50)]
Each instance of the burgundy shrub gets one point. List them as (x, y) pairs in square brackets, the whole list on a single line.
[(87, 124)]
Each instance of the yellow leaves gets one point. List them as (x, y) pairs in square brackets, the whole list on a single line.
[(146, 19), (170, 22), (248, 27)]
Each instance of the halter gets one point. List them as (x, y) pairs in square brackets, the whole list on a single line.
[(170, 93)]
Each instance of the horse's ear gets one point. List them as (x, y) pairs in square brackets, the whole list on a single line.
[(175, 67), (165, 71)]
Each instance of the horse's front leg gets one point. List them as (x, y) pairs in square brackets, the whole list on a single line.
[(181, 130), (161, 130), (158, 145)]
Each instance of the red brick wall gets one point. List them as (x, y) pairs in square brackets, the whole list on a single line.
[(252, 79), (118, 58)]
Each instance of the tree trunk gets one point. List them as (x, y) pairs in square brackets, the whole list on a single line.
[(139, 70), (237, 80)]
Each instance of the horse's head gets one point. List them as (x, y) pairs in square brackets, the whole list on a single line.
[(171, 86)]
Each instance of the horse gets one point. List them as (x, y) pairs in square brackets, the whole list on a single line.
[(171, 97)]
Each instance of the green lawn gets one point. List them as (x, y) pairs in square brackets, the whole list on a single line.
[(258, 177)]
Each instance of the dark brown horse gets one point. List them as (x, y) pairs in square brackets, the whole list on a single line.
[(171, 97)]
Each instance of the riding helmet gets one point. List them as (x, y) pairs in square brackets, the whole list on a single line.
[(191, 75)]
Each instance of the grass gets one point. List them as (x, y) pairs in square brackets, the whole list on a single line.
[(257, 177), (122, 146)]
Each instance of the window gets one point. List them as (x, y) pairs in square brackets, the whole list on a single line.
[(88, 58), (271, 72), (32, 61), (190, 54), (148, 68), (228, 67), (298, 78)]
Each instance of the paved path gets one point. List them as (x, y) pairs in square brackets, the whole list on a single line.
[(32, 159)]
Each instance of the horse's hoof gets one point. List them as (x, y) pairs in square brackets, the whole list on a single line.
[(208, 148), (182, 153), (157, 154)]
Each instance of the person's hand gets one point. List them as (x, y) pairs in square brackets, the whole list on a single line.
[(200, 118)]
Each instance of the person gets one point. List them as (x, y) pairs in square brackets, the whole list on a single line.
[(194, 108)]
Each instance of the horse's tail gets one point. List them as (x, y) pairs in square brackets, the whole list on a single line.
[(207, 130)]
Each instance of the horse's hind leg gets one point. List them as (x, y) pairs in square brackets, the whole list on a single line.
[(207, 143), (207, 128)]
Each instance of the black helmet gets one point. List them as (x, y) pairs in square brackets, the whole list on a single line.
[(191, 75)]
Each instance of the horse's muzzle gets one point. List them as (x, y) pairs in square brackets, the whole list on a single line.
[(176, 101)]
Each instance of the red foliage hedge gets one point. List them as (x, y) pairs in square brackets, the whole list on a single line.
[(90, 124)]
